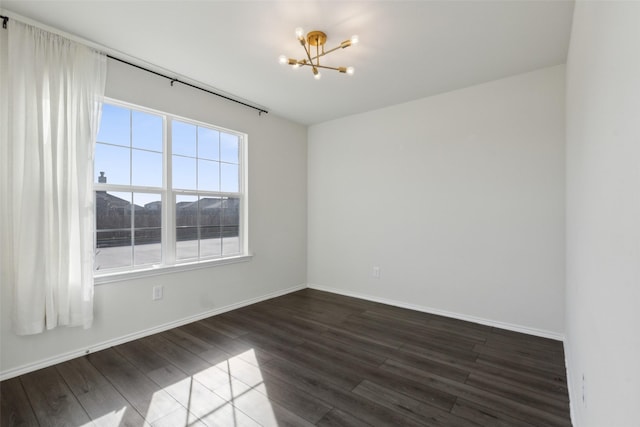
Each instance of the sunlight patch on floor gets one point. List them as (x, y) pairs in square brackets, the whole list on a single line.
[(112, 418), (230, 393)]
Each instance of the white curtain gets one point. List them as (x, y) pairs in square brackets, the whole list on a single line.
[(53, 90)]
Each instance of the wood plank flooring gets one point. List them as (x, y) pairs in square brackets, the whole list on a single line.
[(307, 358)]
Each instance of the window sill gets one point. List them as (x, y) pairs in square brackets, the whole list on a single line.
[(169, 269)]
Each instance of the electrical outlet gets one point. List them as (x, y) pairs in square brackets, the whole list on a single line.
[(376, 272), (157, 293)]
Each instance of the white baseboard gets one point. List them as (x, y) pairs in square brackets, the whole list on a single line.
[(573, 398), (20, 370), (482, 321)]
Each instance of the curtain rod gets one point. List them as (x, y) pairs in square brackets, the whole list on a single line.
[(172, 79), (176, 80)]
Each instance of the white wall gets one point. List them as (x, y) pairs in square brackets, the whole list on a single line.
[(458, 198), (277, 227), (603, 214)]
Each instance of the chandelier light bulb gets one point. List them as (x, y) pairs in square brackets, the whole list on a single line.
[(317, 76), (283, 59), (299, 33), (354, 39), (350, 71)]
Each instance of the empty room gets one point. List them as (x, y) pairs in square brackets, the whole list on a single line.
[(331, 213)]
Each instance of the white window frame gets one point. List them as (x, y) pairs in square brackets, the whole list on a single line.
[(169, 263)]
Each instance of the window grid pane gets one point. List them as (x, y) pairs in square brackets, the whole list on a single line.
[(210, 219), (184, 173), (112, 164), (115, 126), (146, 131), (183, 138), (208, 144), (147, 168), (208, 175), (113, 249), (147, 214), (186, 227), (229, 148)]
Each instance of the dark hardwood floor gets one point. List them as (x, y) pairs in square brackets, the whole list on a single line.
[(307, 358)]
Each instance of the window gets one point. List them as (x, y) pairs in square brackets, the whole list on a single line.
[(169, 191)]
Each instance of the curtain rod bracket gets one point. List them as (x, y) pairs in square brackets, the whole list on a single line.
[(173, 81), (4, 21)]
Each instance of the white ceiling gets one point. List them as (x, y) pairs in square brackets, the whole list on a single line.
[(407, 50)]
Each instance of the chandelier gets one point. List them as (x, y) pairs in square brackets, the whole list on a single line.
[(313, 45)]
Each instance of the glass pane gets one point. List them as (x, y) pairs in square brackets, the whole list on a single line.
[(229, 178), (231, 212), (210, 242), (113, 249), (147, 168), (210, 212), (208, 175), (184, 173), (230, 241), (186, 233), (186, 211), (146, 131), (147, 248), (210, 209), (229, 151), (208, 147), (111, 165), (113, 210), (186, 227), (115, 125), (187, 242), (148, 210), (183, 138)]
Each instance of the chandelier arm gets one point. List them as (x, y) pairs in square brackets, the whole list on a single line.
[(312, 58), (329, 68), (320, 66), (329, 51), (308, 56)]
